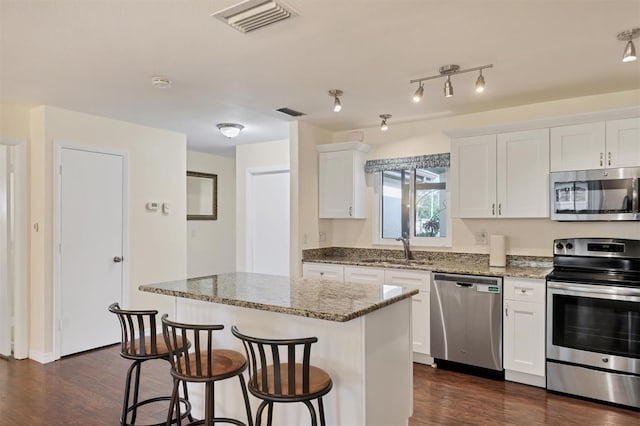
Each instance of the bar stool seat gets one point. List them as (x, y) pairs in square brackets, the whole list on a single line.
[(140, 326), (292, 381), (319, 380), (203, 365)]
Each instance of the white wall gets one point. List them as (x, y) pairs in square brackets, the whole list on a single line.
[(14, 131), (525, 236), (305, 225), (157, 242), (211, 244), (253, 156)]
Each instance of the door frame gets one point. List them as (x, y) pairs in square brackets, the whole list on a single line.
[(20, 254), (250, 173), (59, 146)]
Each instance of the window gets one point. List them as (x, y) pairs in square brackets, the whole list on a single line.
[(413, 202)]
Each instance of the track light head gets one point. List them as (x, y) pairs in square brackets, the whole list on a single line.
[(383, 125), (337, 105), (417, 96), (480, 83), (629, 54), (448, 88)]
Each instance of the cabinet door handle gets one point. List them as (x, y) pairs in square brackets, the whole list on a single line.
[(506, 310), (609, 155), (500, 209), (350, 211), (493, 209), (601, 158)]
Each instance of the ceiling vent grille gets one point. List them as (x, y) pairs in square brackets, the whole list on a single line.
[(291, 112), (254, 14)]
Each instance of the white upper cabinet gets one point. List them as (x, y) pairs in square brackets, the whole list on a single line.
[(504, 175), (577, 147), (523, 174), (614, 143), (623, 143), (342, 184), (473, 167)]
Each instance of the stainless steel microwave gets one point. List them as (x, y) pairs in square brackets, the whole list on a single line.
[(601, 194)]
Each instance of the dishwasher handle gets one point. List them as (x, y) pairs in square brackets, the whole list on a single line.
[(466, 285), (463, 280)]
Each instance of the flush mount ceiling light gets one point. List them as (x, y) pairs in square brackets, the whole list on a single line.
[(447, 71), (230, 130), (160, 82), (383, 125), (629, 54), (337, 105)]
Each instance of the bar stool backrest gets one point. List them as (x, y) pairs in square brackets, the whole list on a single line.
[(137, 340), (264, 360), (199, 363)]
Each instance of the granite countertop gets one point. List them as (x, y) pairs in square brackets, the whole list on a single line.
[(326, 300), (447, 262)]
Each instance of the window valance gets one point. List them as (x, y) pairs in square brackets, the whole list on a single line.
[(404, 163)]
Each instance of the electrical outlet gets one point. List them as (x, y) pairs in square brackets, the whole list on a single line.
[(322, 237), (480, 236)]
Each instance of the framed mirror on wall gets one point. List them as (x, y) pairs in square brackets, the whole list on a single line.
[(202, 196)]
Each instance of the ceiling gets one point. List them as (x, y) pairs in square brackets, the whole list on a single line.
[(99, 56)]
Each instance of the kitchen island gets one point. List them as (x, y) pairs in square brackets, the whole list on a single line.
[(363, 330)]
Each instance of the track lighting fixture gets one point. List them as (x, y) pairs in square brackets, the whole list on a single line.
[(337, 105), (447, 71), (480, 83), (417, 97), (448, 88), (383, 125), (629, 54)]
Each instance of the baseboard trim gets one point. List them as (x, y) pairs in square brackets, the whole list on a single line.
[(422, 358), (42, 357)]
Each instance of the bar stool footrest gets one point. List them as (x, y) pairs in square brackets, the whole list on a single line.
[(219, 420), (183, 415)]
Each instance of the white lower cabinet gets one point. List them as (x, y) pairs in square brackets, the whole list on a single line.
[(524, 331), (323, 271), (356, 274), (419, 311)]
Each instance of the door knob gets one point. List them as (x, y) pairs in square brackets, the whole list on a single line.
[(117, 259)]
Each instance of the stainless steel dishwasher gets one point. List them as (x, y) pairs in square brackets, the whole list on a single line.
[(466, 320)]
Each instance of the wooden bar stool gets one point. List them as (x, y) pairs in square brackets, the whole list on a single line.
[(142, 344), (203, 364), (274, 381)]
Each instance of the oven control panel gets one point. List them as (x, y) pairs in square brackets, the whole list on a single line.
[(597, 247)]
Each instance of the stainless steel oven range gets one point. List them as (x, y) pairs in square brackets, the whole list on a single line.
[(593, 319)]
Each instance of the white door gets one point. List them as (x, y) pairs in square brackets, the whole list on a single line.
[(268, 223), (91, 243), (5, 305)]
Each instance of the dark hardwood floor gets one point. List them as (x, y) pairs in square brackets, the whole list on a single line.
[(86, 389)]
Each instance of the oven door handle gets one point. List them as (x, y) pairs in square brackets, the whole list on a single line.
[(606, 290)]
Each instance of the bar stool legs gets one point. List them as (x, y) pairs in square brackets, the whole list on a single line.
[(132, 408)]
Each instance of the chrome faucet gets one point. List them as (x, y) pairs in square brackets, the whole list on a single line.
[(405, 246)]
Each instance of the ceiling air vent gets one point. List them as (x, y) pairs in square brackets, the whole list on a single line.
[(291, 112), (254, 14)]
